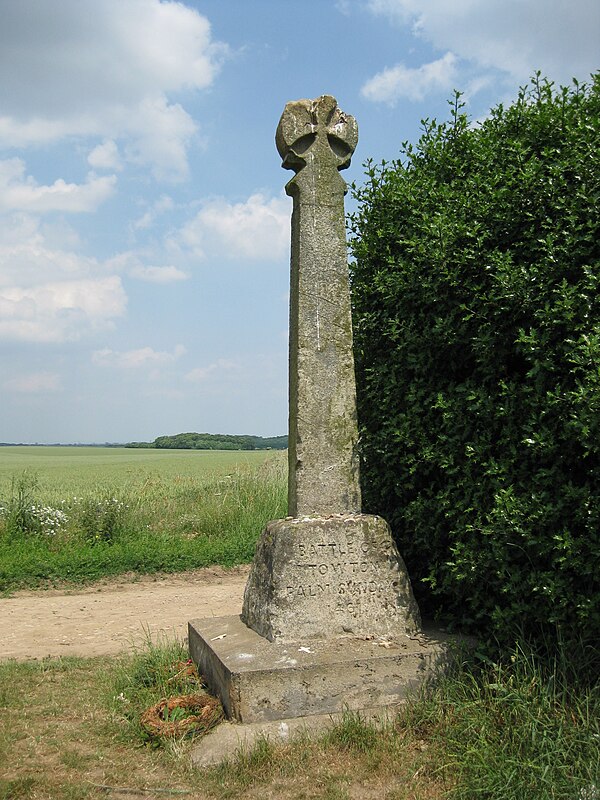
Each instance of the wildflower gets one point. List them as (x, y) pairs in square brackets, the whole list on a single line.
[(50, 519)]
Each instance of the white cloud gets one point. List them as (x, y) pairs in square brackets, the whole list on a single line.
[(57, 312), (131, 263), (158, 274), (132, 359), (517, 37), (401, 81), (21, 193), (107, 70), (49, 292), (105, 156), (56, 231), (200, 374), (32, 253), (33, 383), (164, 203), (258, 229), (163, 138)]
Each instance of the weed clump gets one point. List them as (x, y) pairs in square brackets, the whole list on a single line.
[(22, 515), (157, 694), (522, 728)]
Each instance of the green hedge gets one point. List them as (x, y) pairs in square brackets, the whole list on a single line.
[(476, 292)]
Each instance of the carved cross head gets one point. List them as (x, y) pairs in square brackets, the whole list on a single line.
[(316, 129)]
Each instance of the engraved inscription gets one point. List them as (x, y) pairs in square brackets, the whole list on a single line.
[(308, 590), (341, 573), (353, 588), (341, 548), (335, 567)]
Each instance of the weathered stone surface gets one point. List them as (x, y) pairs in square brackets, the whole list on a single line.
[(328, 569), (322, 577), (257, 680), (316, 139), (329, 620)]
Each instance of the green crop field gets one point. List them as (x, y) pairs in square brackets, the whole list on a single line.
[(64, 471), (80, 513)]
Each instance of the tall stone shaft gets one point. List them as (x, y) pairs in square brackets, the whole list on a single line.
[(327, 585), (316, 139)]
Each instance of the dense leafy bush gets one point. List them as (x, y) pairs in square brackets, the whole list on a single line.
[(476, 291)]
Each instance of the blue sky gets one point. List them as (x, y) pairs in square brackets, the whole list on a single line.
[(144, 231)]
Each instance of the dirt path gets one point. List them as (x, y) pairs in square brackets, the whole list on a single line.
[(114, 615)]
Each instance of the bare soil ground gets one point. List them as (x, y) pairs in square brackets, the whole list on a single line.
[(113, 615)]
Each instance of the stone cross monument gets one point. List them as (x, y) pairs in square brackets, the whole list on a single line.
[(316, 139), (327, 584), (328, 570)]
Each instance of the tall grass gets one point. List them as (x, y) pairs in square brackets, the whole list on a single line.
[(526, 728), (152, 524)]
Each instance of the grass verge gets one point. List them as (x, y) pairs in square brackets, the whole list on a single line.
[(527, 728), (524, 730), (159, 524)]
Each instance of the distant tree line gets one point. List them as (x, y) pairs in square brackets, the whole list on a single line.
[(213, 441)]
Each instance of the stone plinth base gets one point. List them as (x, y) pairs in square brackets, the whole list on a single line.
[(227, 738), (321, 577), (258, 680)]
